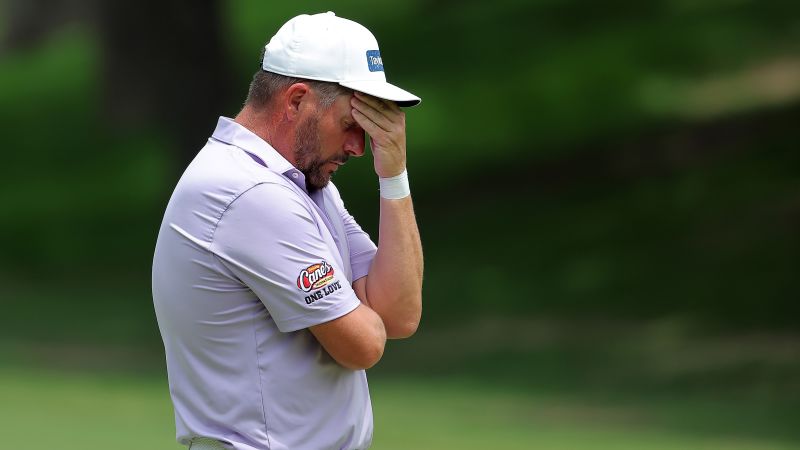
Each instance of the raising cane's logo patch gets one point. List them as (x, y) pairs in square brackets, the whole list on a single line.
[(315, 276)]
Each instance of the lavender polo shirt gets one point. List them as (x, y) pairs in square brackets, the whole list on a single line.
[(245, 262)]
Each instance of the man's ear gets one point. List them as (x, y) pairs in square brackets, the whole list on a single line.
[(295, 98)]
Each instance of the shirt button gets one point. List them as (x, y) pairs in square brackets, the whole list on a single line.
[(294, 174)]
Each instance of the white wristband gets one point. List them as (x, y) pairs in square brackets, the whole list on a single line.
[(395, 187)]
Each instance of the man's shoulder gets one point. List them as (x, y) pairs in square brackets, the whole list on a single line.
[(223, 175), (334, 191), (223, 170)]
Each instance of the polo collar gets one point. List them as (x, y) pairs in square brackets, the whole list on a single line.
[(233, 133)]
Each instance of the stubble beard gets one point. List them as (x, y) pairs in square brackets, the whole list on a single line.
[(308, 148)]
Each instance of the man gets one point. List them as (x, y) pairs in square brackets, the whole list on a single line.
[(270, 299)]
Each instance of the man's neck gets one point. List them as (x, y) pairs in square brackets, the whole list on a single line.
[(265, 124)]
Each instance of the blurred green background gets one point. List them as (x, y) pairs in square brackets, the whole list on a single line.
[(608, 195)]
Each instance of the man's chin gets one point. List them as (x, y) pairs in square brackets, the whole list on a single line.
[(318, 182)]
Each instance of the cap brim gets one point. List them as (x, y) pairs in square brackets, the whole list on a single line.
[(384, 90)]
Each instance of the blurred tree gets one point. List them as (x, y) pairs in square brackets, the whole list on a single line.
[(28, 22), (165, 60), (161, 60)]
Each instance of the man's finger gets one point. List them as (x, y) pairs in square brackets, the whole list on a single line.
[(366, 123), (377, 117), (377, 103)]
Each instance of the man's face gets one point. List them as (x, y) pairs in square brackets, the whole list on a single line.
[(325, 140)]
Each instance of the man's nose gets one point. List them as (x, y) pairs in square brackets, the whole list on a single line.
[(354, 143)]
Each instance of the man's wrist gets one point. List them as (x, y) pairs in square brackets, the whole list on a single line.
[(395, 187)]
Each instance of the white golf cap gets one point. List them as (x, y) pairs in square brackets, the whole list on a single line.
[(324, 47)]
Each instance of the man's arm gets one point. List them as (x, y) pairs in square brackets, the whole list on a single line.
[(393, 287), (268, 239), (355, 340)]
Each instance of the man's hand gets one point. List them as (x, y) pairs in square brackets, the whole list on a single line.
[(385, 123), (393, 286)]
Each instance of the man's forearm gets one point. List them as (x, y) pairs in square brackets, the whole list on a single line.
[(393, 287), (394, 283)]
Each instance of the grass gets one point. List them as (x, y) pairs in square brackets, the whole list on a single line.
[(494, 382), (47, 408), (42, 410), (435, 415)]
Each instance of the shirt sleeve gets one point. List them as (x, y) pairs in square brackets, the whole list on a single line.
[(269, 239), (362, 249)]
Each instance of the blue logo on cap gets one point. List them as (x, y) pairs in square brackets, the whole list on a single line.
[(374, 61)]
